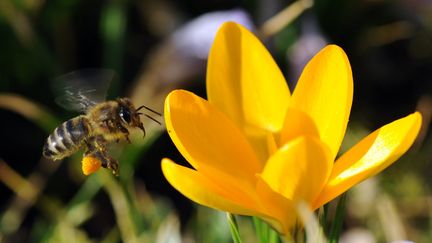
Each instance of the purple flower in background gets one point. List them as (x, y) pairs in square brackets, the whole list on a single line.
[(195, 38)]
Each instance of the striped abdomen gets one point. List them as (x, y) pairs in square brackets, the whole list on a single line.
[(66, 138)]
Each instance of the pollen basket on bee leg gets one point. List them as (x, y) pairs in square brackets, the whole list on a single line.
[(90, 164)]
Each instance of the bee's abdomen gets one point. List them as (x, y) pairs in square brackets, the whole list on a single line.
[(66, 138)]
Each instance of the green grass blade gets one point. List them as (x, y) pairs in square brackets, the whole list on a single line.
[(323, 217), (273, 236), (260, 229), (234, 228), (264, 232), (338, 220)]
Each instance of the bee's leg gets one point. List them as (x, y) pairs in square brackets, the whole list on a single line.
[(100, 143), (99, 155), (108, 124), (103, 159), (106, 161), (89, 147), (125, 132), (109, 163), (96, 147), (141, 126), (114, 166)]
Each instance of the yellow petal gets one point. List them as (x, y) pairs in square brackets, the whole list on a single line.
[(90, 165), (371, 155), (244, 82), (324, 91), (202, 190), (281, 211), (209, 141), (299, 169), (297, 123)]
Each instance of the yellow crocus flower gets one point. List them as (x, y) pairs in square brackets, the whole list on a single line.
[(256, 149)]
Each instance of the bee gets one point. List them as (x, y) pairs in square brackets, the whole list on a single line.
[(101, 123)]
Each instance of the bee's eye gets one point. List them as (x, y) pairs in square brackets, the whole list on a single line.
[(125, 115)]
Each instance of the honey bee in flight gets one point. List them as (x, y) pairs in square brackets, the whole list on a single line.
[(102, 123)]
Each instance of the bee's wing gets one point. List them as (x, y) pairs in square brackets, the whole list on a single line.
[(82, 89)]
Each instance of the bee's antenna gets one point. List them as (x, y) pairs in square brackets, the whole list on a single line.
[(158, 122), (143, 106)]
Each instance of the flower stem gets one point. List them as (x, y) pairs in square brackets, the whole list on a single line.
[(323, 217), (338, 220), (234, 228), (264, 232)]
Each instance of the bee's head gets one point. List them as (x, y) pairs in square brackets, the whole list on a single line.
[(128, 115)]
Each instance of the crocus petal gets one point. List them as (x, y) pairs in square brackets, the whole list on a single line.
[(200, 189), (281, 210), (324, 91), (371, 155), (299, 169), (209, 141), (244, 82), (297, 123)]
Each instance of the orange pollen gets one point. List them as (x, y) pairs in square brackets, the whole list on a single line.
[(90, 165)]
